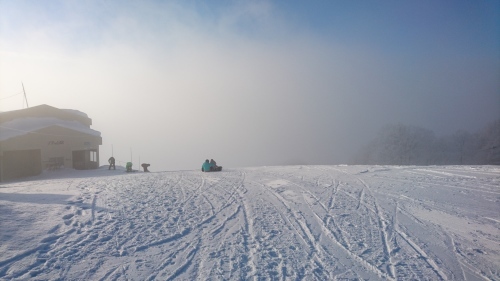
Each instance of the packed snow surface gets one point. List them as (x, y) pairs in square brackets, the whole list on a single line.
[(263, 223)]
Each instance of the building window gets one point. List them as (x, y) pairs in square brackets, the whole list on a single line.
[(93, 156)]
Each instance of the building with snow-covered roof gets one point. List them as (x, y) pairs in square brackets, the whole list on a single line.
[(44, 137)]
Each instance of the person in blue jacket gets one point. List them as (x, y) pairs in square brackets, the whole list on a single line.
[(206, 167)]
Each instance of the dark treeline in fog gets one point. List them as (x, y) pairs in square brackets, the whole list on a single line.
[(411, 145)]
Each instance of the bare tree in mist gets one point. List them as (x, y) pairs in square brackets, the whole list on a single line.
[(411, 145), (399, 145), (489, 139)]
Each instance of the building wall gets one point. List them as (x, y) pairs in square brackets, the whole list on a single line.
[(56, 145)]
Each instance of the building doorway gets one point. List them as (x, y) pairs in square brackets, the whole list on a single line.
[(85, 159)]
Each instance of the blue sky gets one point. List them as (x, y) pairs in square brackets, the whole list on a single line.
[(406, 27), (310, 80)]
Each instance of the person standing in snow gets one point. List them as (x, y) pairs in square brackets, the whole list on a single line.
[(206, 167), (111, 162)]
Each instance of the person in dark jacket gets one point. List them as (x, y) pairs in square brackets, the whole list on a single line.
[(206, 167), (111, 162), (214, 165)]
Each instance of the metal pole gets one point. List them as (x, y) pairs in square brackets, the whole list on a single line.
[(26, 99)]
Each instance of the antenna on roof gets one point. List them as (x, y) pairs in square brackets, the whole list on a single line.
[(26, 99)]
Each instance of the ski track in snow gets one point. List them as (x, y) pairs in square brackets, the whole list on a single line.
[(264, 223)]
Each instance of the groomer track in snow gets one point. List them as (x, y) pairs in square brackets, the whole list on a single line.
[(265, 223)]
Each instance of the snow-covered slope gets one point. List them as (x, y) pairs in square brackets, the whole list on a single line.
[(264, 223)]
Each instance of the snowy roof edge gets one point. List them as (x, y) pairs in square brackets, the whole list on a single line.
[(23, 126)]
